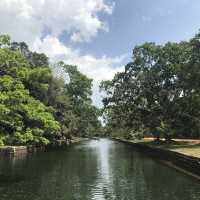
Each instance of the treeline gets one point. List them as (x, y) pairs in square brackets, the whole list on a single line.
[(37, 106), (157, 94)]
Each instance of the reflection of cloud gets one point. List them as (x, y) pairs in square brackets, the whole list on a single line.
[(103, 188)]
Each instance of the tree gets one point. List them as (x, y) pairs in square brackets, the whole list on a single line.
[(79, 90), (158, 92), (22, 118), (37, 107)]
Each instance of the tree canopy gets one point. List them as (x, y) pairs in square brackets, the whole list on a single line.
[(158, 93), (38, 107)]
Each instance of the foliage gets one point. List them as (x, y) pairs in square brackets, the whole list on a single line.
[(79, 90), (158, 91), (24, 119), (35, 106)]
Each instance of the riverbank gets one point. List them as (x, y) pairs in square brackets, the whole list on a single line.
[(18, 150), (187, 147), (183, 155)]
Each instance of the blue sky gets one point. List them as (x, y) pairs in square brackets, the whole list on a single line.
[(134, 22), (97, 35)]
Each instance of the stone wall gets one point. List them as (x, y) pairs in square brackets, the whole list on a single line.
[(179, 161), (18, 150)]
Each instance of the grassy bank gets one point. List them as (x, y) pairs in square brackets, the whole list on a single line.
[(184, 146)]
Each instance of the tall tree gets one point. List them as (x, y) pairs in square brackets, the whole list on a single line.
[(158, 92)]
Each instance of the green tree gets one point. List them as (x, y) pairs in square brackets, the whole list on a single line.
[(23, 119), (37, 107), (158, 92)]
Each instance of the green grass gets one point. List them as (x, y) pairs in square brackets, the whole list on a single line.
[(184, 146)]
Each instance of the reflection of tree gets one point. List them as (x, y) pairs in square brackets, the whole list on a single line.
[(54, 175), (69, 176), (165, 183), (138, 177), (112, 172), (129, 179)]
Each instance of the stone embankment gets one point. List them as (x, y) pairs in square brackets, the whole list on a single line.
[(19, 150), (187, 164)]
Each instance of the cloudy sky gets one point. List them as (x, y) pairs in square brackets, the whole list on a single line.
[(97, 35)]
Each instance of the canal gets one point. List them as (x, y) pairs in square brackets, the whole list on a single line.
[(99, 170)]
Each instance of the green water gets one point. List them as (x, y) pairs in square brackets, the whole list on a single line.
[(93, 170)]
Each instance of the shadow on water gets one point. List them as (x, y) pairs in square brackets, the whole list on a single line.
[(97, 169), (6, 179)]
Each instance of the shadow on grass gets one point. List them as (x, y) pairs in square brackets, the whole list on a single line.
[(173, 144)]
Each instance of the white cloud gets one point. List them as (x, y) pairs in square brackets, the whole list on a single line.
[(27, 19), (98, 69)]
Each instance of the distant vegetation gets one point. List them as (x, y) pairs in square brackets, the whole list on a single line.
[(157, 94), (38, 107)]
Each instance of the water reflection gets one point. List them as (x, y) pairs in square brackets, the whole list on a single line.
[(99, 170), (103, 188)]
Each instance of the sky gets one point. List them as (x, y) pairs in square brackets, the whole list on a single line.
[(97, 35)]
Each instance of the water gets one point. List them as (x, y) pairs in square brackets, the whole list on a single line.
[(99, 170)]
